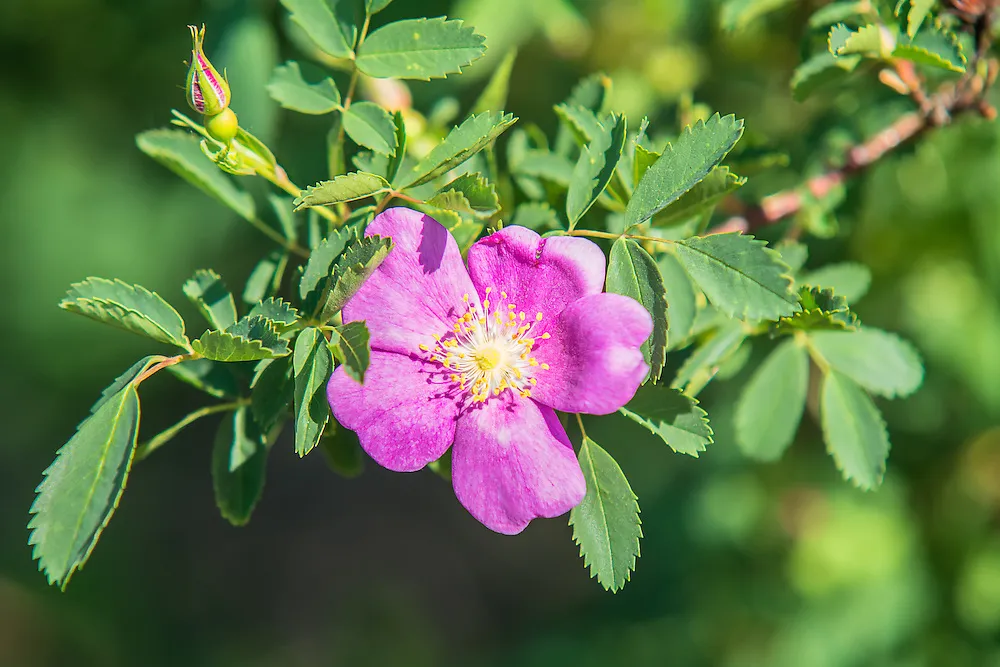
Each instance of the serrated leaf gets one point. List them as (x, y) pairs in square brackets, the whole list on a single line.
[(673, 416), (421, 49), (936, 46), (582, 122), (353, 268), (371, 126), (853, 430), (212, 298), (681, 299), (478, 192), (703, 197), (699, 368), (819, 70), (793, 253), (343, 188), (288, 88), (250, 339), (642, 161), (273, 392), (494, 95), (277, 311), (238, 488), (375, 6), (848, 279), (770, 406), (916, 12), (536, 215), (473, 135), (606, 523), (324, 28), (836, 12), (633, 273), (740, 275), (312, 364), (180, 152), (265, 278), (683, 164), (451, 201), (350, 344), (821, 310), (209, 376), (594, 168), (80, 491), (544, 164), (881, 362), (129, 307), (870, 39), (395, 160), (738, 14), (319, 267)]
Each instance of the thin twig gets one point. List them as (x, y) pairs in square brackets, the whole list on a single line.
[(165, 436)]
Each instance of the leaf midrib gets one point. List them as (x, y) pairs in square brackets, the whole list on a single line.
[(740, 272)]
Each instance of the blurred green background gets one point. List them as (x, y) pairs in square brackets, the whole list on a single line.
[(743, 564)]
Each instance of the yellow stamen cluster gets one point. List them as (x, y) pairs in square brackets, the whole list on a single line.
[(489, 348)]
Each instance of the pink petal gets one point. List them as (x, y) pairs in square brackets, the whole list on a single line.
[(595, 364), (404, 414), (512, 462), (417, 291), (538, 275)]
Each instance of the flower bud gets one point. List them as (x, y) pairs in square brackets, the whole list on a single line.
[(223, 126), (207, 91)]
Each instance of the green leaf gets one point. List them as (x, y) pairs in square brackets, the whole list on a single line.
[(581, 121), (277, 311), (821, 309), (916, 12), (633, 273), (289, 89), (239, 463), (395, 160), (80, 491), (606, 523), (854, 431), (266, 276), (419, 49), (936, 46), (836, 12), (543, 164), (872, 40), (180, 152), (820, 70), (129, 307), (719, 184), (343, 188), (250, 339), (671, 415), (212, 298), (848, 279), (451, 201), (282, 207), (644, 159), (594, 169), (770, 406), (494, 95), (536, 215), (350, 344), (738, 14), (312, 364), (353, 268), (881, 362), (682, 165), (473, 135), (740, 275), (209, 376), (478, 192), (342, 451), (371, 126), (793, 253), (681, 298), (273, 393), (375, 6), (318, 21), (699, 368), (319, 266)]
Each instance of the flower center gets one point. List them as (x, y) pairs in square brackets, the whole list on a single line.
[(489, 349)]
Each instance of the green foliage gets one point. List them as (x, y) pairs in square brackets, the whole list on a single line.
[(289, 89), (320, 263), (353, 268), (702, 365), (239, 462), (129, 307), (273, 392), (250, 339), (854, 431), (371, 126), (671, 415), (820, 70), (350, 344), (312, 364), (344, 188), (916, 12), (494, 95), (879, 361), (869, 39), (633, 273), (740, 275), (277, 311), (328, 31), (81, 489), (209, 376), (847, 279), (594, 168), (212, 298), (702, 198), (681, 298), (478, 193), (606, 524), (682, 165), (419, 49), (935, 46), (342, 451), (738, 14), (771, 404), (821, 309), (464, 141)]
